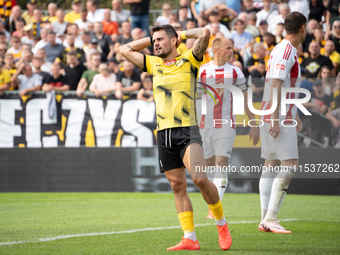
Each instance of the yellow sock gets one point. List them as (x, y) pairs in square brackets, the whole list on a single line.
[(187, 221), (217, 210)]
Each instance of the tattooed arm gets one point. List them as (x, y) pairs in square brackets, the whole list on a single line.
[(202, 42)]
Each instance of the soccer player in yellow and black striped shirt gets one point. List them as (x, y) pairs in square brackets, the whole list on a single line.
[(178, 137)]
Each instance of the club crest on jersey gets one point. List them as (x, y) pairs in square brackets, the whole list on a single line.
[(179, 62)]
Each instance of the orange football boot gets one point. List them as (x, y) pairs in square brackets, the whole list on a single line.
[(185, 244), (224, 238)]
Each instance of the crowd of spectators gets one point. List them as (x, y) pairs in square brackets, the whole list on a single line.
[(79, 50)]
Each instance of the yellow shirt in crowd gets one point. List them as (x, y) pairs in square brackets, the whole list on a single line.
[(5, 77), (71, 17)]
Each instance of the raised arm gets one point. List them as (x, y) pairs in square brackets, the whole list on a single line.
[(202, 35), (130, 51)]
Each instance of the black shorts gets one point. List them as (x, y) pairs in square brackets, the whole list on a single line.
[(172, 144)]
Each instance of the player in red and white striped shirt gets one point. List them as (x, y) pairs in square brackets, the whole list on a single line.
[(279, 143), (218, 138)]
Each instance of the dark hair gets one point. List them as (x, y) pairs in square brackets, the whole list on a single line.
[(213, 13), (261, 61), (321, 69), (2, 33), (94, 2), (169, 30), (269, 35), (294, 21), (72, 53), (238, 20)]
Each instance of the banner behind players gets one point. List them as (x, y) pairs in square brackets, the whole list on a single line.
[(42, 120)]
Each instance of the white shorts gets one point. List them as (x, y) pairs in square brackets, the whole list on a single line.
[(218, 141), (283, 147)]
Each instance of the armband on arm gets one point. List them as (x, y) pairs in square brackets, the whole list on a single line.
[(130, 47)]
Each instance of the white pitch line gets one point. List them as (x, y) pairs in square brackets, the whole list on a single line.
[(48, 239)]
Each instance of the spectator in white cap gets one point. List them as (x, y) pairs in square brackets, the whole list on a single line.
[(28, 38)]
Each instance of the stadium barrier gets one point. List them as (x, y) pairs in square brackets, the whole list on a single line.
[(137, 170), (65, 120)]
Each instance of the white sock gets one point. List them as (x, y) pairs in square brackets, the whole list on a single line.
[(221, 183), (221, 222), (191, 235), (279, 188), (265, 187)]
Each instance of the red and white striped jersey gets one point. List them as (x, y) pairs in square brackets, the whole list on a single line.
[(214, 76), (283, 64)]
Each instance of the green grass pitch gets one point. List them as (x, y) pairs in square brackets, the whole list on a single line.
[(144, 223)]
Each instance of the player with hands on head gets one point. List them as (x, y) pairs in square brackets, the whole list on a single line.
[(179, 141)]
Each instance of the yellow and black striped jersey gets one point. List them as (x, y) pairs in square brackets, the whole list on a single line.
[(174, 89)]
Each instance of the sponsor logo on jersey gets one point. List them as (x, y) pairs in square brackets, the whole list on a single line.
[(169, 62), (279, 66)]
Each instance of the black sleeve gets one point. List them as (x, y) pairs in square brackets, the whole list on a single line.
[(46, 78), (304, 62), (109, 40), (328, 101), (82, 59), (144, 68), (120, 39), (329, 63), (63, 79), (136, 75), (329, 7), (120, 75), (250, 62)]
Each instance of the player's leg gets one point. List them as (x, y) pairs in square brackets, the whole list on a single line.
[(221, 178), (287, 152), (170, 163), (210, 162), (265, 184), (223, 140), (193, 159), (177, 179), (279, 191)]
